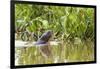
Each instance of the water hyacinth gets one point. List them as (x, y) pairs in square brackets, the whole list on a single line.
[(53, 34)]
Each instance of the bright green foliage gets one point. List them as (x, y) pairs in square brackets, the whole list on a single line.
[(67, 24), (62, 20)]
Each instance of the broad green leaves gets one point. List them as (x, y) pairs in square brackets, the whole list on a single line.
[(63, 21), (72, 26)]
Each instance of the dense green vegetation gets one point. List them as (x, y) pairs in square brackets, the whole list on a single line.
[(72, 26)]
